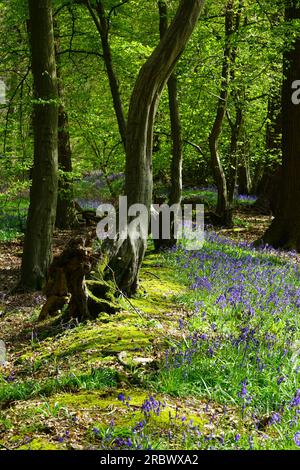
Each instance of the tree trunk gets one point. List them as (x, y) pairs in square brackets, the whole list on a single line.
[(234, 160), (267, 174), (150, 83), (223, 206), (226, 190), (65, 212), (37, 251), (102, 24), (176, 138), (285, 229), (244, 176)]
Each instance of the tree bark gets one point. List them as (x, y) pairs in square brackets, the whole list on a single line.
[(65, 212), (37, 251), (102, 24), (284, 231), (267, 181), (223, 206), (234, 160), (175, 193), (225, 190), (150, 83), (67, 286), (244, 176)]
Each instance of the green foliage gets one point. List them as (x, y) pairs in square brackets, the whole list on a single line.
[(96, 143), (97, 379)]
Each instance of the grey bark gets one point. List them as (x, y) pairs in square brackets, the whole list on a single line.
[(284, 231), (149, 85), (175, 192), (37, 251), (65, 212), (102, 24)]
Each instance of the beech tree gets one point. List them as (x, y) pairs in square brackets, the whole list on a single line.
[(102, 23), (37, 253), (65, 212), (175, 191), (155, 73), (232, 23), (285, 229)]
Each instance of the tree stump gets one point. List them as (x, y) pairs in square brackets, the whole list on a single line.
[(67, 286)]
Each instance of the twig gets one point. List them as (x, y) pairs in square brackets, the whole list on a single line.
[(113, 8), (125, 296), (152, 274), (80, 51)]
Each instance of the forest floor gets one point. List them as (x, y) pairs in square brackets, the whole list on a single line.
[(203, 356)]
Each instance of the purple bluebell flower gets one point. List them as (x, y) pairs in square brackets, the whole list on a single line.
[(121, 397), (296, 399), (297, 438)]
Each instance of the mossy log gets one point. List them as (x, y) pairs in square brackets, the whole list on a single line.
[(86, 217), (69, 286)]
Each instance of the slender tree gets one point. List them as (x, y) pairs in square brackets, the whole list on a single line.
[(232, 23), (269, 170), (234, 151), (37, 251), (175, 192), (65, 213), (153, 77), (285, 229), (102, 23)]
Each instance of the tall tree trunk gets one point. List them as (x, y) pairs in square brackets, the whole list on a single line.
[(244, 176), (267, 173), (234, 150), (65, 212), (223, 206), (285, 229), (102, 24), (37, 251), (150, 83), (175, 193), (225, 190)]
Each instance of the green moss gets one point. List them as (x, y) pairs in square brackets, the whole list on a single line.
[(157, 290), (101, 297), (124, 331), (40, 444), (108, 407), (79, 400), (97, 340)]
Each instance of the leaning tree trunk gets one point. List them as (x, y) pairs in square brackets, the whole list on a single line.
[(102, 24), (176, 138), (139, 136), (285, 229), (37, 251)]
